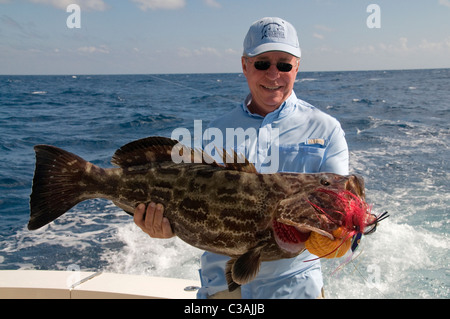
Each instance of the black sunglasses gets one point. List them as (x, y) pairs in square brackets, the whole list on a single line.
[(265, 65)]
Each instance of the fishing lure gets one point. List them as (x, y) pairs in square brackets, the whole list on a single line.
[(352, 224)]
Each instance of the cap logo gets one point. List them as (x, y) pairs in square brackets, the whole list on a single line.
[(273, 30)]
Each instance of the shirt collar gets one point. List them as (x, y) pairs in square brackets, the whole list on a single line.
[(285, 109)]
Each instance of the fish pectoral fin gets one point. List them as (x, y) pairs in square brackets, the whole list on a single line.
[(306, 228), (294, 207), (243, 269), (296, 211), (232, 286)]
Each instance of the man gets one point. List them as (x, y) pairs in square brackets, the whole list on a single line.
[(304, 139)]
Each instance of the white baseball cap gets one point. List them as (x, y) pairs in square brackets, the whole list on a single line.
[(271, 34)]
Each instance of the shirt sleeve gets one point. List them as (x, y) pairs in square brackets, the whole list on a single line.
[(336, 159)]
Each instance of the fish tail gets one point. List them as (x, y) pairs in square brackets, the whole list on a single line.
[(57, 184)]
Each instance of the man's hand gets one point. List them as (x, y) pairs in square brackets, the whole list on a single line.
[(152, 221)]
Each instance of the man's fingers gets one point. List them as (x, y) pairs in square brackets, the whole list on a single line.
[(138, 216), (152, 221), (150, 216), (167, 229)]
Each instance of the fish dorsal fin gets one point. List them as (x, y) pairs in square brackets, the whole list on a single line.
[(161, 149), (158, 149), (144, 151), (237, 162)]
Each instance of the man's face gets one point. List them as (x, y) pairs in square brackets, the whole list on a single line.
[(271, 87)]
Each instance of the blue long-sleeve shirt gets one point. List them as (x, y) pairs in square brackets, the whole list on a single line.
[(296, 137)]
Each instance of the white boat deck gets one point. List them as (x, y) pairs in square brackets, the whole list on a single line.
[(43, 284)]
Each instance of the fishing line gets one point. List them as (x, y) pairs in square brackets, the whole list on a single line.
[(351, 259), (367, 282), (345, 263), (193, 89)]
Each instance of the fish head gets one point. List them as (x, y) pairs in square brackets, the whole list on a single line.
[(337, 183), (341, 202), (324, 203)]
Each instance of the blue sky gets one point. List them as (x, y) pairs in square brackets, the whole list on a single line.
[(205, 36)]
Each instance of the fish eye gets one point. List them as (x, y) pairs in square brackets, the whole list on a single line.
[(325, 182)]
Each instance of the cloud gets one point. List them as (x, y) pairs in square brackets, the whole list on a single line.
[(89, 5), (203, 51), (232, 52), (183, 52), (368, 49), (318, 36), (170, 4), (445, 3), (322, 27), (160, 4), (92, 49), (100, 5), (402, 47), (212, 3), (435, 46), (207, 51)]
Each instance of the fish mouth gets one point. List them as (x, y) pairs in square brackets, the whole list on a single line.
[(290, 238)]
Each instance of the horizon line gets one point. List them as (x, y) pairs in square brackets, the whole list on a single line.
[(199, 73)]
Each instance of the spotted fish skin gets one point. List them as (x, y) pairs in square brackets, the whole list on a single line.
[(226, 209)]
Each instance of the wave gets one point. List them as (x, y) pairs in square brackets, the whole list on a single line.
[(142, 255), (368, 101), (381, 272), (305, 80), (398, 140)]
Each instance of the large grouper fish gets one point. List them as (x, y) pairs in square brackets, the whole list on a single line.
[(228, 208)]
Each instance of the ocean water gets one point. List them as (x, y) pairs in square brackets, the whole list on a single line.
[(397, 128)]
